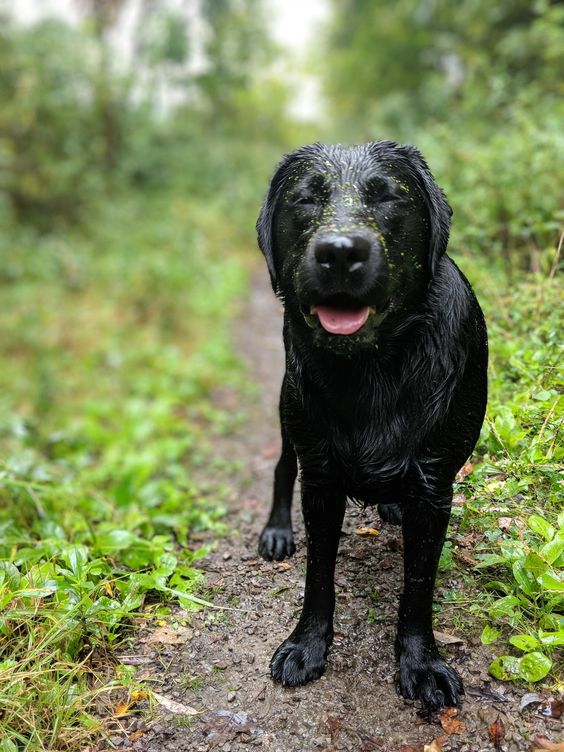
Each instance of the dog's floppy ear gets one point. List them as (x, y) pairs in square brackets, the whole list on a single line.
[(265, 221), (439, 209)]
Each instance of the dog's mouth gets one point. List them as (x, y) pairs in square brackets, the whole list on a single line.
[(342, 315)]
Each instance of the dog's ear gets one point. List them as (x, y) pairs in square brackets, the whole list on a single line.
[(265, 221), (440, 211)]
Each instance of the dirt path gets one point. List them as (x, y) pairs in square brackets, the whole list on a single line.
[(219, 663)]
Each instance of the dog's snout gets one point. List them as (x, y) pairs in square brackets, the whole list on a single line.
[(342, 253)]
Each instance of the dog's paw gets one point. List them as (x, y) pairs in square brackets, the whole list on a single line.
[(424, 676), (299, 660), (390, 513), (276, 543)]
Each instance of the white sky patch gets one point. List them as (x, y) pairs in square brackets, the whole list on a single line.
[(294, 25)]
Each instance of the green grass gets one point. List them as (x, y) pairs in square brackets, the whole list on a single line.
[(511, 523), (111, 344)]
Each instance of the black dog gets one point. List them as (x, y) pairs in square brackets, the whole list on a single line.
[(385, 385)]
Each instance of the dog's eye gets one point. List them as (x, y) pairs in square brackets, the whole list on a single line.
[(303, 199), (379, 191)]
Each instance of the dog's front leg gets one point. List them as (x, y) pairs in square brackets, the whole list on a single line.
[(303, 656), (423, 673)]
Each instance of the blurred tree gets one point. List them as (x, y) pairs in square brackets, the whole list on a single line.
[(480, 87), (103, 15), (49, 142), (237, 48), (427, 53)]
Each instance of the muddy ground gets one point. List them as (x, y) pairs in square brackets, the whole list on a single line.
[(216, 662)]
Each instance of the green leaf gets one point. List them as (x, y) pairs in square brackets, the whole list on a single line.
[(503, 607), (552, 550), (554, 639), (524, 642), (524, 577), (489, 635), (534, 666), (505, 668), (550, 582), (541, 526)]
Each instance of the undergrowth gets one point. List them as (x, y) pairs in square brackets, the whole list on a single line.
[(111, 343), (510, 523)]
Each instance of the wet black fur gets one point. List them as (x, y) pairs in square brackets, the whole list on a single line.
[(386, 416)]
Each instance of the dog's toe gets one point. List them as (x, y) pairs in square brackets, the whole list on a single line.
[(299, 662), (428, 678), (276, 543)]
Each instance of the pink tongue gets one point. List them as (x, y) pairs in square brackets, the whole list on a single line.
[(340, 320)]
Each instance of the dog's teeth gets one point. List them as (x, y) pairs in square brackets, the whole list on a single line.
[(312, 310)]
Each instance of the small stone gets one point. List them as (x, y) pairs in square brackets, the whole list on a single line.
[(226, 556), (231, 697), (250, 658)]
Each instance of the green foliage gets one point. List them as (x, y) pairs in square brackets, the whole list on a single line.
[(104, 424), (49, 144), (513, 510), (476, 87)]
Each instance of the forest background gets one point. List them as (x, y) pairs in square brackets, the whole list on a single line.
[(129, 188)]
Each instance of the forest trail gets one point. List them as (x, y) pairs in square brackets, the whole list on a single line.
[(218, 664)]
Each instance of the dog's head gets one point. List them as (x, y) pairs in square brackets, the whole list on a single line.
[(352, 235)]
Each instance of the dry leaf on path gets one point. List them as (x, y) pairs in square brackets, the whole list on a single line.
[(553, 709), (542, 743), (436, 745), (447, 639), (449, 722), (496, 732), (169, 636), (465, 470), (367, 531), (505, 523), (123, 708), (174, 707)]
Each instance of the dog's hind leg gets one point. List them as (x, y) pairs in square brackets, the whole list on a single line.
[(277, 539), (390, 513)]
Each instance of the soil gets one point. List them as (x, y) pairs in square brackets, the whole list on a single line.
[(216, 661)]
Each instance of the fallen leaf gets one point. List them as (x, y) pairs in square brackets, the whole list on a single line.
[(465, 557), (173, 706), (553, 709), (123, 708), (284, 565), (410, 748), (166, 635), (334, 726), (542, 743), (458, 500), (447, 639), (436, 745), (447, 719), (366, 531), (505, 523), (496, 733), (465, 470), (137, 734)]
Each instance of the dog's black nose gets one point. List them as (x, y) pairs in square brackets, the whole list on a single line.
[(342, 253)]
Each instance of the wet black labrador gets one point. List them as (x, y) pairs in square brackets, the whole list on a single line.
[(385, 385)]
